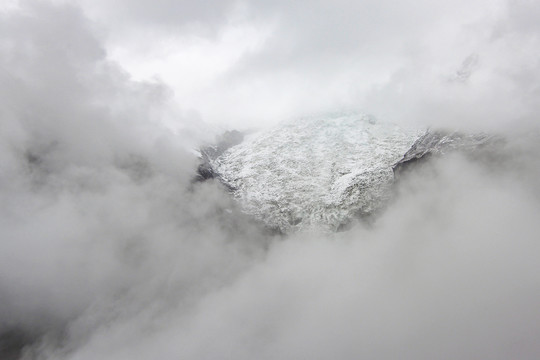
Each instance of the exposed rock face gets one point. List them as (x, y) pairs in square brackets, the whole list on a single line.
[(209, 154), (438, 143)]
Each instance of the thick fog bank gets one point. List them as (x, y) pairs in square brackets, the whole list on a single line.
[(448, 271), (96, 199), (108, 251)]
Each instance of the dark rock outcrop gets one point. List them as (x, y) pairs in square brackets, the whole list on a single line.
[(205, 171), (438, 143)]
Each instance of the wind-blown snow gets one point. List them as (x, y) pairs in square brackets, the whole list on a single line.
[(315, 171)]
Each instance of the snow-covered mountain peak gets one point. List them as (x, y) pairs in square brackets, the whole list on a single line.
[(315, 171)]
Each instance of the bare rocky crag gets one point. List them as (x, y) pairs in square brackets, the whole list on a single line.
[(440, 143)]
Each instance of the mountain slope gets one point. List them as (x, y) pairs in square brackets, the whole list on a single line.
[(316, 171)]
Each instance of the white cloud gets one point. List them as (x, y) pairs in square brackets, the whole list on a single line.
[(109, 251), (246, 63)]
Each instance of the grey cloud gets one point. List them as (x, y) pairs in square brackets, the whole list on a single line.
[(108, 251), (201, 17), (381, 57), (393, 60), (448, 272), (94, 191)]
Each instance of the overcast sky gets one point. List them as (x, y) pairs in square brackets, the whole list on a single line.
[(242, 63)]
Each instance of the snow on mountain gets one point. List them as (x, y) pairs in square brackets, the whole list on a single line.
[(315, 171)]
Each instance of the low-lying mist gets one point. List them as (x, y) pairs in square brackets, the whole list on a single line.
[(108, 250)]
